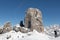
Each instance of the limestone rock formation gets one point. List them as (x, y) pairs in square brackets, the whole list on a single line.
[(33, 19), (7, 27)]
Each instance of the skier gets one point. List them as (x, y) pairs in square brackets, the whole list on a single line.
[(55, 32)]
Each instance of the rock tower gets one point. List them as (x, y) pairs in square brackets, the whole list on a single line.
[(33, 19)]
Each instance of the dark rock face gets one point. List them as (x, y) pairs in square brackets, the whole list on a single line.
[(7, 27), (1, 31), (33, 19)]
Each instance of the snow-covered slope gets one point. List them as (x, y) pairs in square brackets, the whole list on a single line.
[(12, 35), (23, 36)]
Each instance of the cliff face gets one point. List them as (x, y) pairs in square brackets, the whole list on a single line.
[(33, 19)]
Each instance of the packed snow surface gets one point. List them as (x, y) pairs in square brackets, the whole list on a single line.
[(12, 35)]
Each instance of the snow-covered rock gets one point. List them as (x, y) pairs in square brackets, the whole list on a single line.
[(16, 28), (7, 27), (17, 25), (50, 30)]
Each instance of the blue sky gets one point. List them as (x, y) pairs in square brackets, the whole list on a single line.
[(14, 10)]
